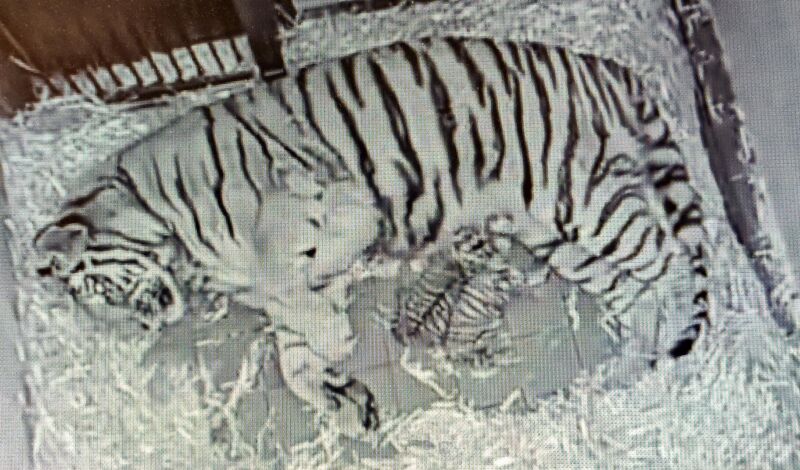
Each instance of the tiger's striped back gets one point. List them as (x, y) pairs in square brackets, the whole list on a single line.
[(447, 132)]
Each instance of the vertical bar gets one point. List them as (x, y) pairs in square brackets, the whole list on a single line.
[(724, 137), (260, 22), (16, 87)]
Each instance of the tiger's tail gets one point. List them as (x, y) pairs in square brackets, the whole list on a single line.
[(682, 209)]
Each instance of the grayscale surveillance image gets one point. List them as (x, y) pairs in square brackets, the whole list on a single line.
[(399, 234)]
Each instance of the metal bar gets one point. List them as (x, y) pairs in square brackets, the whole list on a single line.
[(730, 157)]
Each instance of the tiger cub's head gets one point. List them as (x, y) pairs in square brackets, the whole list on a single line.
[(110, 281)]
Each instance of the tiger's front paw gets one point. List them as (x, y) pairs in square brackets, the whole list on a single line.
[(352, 406)]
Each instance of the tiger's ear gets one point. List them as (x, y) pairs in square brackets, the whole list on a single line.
[(57, 248), (66, 239)]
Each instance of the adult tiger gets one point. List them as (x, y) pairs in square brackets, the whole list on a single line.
[(397, 148)]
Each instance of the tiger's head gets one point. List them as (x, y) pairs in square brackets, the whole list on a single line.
[(110, 281)]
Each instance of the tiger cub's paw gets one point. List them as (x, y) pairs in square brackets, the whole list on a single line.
[(352, 405)]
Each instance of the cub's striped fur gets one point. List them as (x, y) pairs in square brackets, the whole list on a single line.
[(458, 301)]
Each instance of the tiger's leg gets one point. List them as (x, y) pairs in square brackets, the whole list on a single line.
[(313, 334), (311, 378)]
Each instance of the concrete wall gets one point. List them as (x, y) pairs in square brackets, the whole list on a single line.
[(13, 439)]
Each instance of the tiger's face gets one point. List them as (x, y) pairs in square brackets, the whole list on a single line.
[(111, 283)]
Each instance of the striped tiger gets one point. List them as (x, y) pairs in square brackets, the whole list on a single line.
[(458, 301), (272, 194)]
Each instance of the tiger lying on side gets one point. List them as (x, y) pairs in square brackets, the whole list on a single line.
[(271, 195)]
